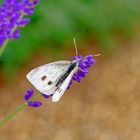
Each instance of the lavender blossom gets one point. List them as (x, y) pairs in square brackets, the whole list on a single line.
[(34, 104), (46, 96), (84, 64), (11, 17), (29, 93)]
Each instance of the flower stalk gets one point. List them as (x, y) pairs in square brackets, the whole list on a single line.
[(12, 17), (13, 113), (20, 108), (4, 47)]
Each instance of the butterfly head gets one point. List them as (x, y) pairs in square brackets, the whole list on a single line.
[(75, 62)]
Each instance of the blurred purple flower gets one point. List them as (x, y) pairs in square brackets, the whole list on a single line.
[(34, 103), (11, 17), (29, 93), (46, 96), (84, 64)]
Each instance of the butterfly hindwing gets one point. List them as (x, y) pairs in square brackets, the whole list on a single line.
[(45, 77), (60, 90)]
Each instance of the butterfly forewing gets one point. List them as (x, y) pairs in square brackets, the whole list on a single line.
[(45, 77)]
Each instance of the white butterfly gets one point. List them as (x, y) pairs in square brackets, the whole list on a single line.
[(53, 78)]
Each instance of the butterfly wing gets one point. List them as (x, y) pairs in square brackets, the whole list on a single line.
[(60, 90), (44, 77)]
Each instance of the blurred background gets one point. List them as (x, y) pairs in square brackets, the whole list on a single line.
[(106, 104)]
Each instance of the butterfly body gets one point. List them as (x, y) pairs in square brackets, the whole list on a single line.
[(72, 66), (53, 78)]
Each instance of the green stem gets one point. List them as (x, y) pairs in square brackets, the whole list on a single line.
[(3, 47), (13, 114), (21, 107)]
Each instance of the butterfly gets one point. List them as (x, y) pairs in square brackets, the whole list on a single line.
[(53, 78)]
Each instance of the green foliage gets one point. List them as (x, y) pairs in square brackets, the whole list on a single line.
[(55, 23)]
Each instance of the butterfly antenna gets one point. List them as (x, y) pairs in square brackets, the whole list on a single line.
[(75, 47)]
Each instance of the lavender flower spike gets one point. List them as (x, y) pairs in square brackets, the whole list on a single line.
[(29, 93), (11, 17), (84, 64), (46, 96), (34, 104)]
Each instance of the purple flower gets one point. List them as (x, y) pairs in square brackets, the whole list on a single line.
[(34, 104), (84, 64), (11, 17), (29, 93), (46, 96)]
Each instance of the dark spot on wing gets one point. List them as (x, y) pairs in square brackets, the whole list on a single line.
[(50, 82), (43, 77)]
